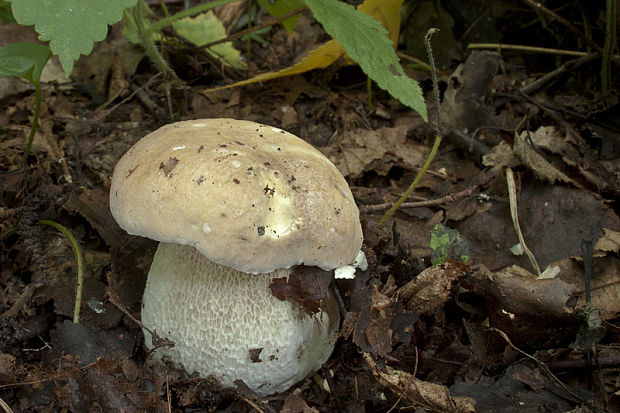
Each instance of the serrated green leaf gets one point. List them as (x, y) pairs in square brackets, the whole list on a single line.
[(206, 28), (71, 26), (367, 42), (279, 8), (25, 60)]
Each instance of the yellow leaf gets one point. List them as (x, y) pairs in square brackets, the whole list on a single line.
[(319, 58), (385, 11)]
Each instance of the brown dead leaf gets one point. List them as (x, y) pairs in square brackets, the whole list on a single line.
[(609, 242), (431, 396), (357, 150), (100, 386), (605, 283), (575, 153), (294, 403), (308, 286), (529, 376), (554, 220), (532, 312), (7, 365), (378, 320), (537, 163), (530, 296), (431, 289)]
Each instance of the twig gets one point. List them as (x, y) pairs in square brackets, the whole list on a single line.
[(25, 295), (512, 194), (564, 22), (430, 202), (523, 48), (156, 339), (553, 115), (545, 368), (112, 299), (566, 67), (251, 403), (160, 113)]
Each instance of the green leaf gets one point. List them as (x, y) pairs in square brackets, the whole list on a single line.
[(279, 8), (206, 28), (71, 26), (25, 60), (367, 42), (447, 243)]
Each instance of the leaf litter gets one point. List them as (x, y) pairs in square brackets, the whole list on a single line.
[(413, 333)]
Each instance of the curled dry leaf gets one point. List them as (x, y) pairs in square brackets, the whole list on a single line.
[(309, 286), (294, 403), (377, 320), (431, 396), (537, 163), (432, 287)]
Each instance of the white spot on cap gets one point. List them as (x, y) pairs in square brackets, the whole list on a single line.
[(198, 125), (206, 228), (177, 148), (276, 130), (236, 164)]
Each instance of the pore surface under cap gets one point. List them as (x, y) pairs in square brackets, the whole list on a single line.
[(228, 323), (246, 195)]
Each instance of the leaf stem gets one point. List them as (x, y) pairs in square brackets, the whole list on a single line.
[(435, 148), (35, 122), (146, 39), (80, 264)]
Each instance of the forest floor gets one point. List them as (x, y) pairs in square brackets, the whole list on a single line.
[(488, 330)]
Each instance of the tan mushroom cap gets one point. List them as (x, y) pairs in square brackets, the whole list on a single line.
[(246, 195)]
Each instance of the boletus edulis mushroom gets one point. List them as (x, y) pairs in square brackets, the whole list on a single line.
[(235, 204)]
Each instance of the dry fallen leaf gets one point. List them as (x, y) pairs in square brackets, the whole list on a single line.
[(309, 286), (537, 163), (360, 150), (431, 396), (432, 287)]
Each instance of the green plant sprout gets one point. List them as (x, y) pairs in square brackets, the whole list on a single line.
[(26, 60), (447, 243), (435, 148), (80, 264)]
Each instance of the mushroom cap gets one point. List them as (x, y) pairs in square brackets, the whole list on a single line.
[(246, 195)]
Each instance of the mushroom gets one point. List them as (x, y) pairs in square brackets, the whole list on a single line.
[(235, 204)]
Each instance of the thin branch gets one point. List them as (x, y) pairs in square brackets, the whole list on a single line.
[(431, 202)]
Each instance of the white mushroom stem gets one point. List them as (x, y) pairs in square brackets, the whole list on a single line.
[(227, 323)]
